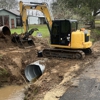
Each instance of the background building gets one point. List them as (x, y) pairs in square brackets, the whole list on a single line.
[(9, 18)]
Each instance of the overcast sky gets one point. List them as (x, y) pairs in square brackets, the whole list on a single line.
[(48, 1)]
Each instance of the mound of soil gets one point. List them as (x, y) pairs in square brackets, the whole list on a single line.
[(6, 42), (13, 59)]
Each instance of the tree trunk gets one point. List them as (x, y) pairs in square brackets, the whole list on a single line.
[(93, 23)]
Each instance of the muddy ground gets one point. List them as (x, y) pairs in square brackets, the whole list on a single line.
[(57, 77)]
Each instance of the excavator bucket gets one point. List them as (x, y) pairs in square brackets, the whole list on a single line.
[(24, 40)]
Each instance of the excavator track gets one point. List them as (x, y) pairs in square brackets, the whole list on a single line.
[(87, 51), (63, 53)]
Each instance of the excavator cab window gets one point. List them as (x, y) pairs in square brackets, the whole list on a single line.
[(61, 32), (74, 25), (55, 31)]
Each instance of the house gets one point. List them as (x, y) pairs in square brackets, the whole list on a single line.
[(36, 20), (9, 18)]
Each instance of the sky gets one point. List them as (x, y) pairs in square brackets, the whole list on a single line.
[(47, 1)]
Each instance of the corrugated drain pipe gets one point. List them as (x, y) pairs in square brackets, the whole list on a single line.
[(34, 70)]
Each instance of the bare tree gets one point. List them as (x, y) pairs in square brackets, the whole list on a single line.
[(9, 4)]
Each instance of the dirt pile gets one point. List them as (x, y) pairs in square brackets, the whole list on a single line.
[(6, 42), (9, 70), (96, 48), (13, 59)]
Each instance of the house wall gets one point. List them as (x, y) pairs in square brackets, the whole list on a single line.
[(11, 16), (36, 20), (33, 20)]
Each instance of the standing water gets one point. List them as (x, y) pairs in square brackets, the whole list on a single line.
[(12, 93)]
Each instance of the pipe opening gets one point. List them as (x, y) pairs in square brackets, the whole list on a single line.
[(32, 71), (5, 30)]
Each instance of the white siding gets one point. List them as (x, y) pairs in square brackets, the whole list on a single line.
[(33, 20)]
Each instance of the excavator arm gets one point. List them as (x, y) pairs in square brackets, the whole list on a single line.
[(34, 6)]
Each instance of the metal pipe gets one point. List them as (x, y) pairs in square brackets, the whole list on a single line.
[(34, 70), (4, 30)]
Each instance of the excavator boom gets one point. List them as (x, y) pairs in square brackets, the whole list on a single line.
[(20, 40), (34, 6)]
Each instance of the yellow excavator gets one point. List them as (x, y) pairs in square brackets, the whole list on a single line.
[(65, 38)]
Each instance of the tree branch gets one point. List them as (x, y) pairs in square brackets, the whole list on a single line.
[(96, 13)]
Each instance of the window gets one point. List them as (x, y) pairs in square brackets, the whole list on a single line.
[(73, 26)]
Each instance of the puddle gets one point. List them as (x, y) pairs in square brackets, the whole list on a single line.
[(12, 93)]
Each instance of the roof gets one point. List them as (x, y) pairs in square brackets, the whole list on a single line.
[(41, 16), (35, 15), (12, 11)]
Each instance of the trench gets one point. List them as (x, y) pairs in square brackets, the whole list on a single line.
[(12, 92), (15, 92)]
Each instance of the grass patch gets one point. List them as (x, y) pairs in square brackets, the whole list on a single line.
[(42, 29), (97, 22)]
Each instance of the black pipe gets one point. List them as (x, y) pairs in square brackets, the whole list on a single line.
[(5, 30)]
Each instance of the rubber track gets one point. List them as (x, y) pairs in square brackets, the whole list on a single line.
[(63, 53)]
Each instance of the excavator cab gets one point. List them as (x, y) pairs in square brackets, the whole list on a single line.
[(61, 31), (65, 34)]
